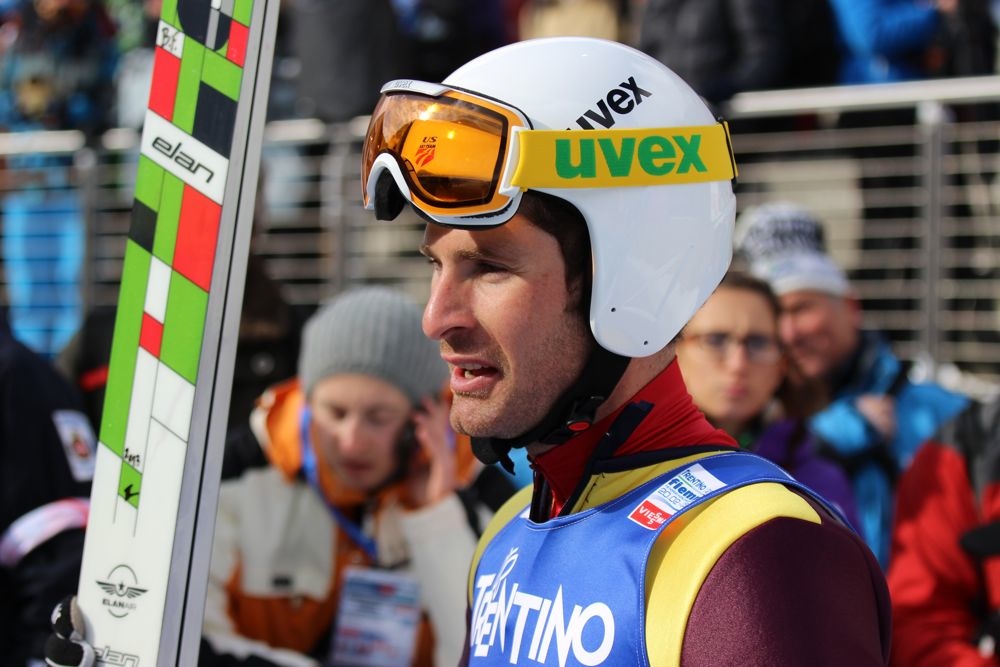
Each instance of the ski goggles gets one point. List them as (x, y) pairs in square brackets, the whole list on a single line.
[(455, 154)]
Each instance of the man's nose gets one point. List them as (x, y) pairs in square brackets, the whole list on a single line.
[(788, 329), (448, 307)]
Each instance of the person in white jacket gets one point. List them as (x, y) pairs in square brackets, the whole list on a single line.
[(355, 468), (345, 532)]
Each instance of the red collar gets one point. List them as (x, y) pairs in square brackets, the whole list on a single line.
[(674, 421)]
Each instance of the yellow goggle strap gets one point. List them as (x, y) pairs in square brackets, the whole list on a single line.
[(622, 158)]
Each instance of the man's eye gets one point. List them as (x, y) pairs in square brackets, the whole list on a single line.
[(486, 267)]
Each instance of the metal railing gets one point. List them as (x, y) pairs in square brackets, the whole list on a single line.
[(910, 209)]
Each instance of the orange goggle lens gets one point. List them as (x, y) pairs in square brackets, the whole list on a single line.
[(450, 149)]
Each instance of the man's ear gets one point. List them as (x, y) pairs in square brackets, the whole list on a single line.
[(853, 306)]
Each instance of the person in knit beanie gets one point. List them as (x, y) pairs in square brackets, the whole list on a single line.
[(371, 338), (344, 532), (355, 474)]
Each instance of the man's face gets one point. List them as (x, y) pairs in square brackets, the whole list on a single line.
[(820, 331), (507, 325), (357, 422)]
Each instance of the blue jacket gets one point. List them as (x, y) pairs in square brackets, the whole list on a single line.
[(872, 464), (789, 444), (884, 40)]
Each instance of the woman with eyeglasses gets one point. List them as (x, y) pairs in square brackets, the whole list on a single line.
[(735, 369)]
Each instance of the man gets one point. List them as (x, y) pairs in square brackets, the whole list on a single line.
[(565, 261), (347, 472), (945, 570), (596, 570), (345, 517), (47, 454), (875, 418)]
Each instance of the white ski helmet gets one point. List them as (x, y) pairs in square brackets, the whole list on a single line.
[(598, 124)]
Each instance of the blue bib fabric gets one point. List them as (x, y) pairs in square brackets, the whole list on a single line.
[(526, 610)]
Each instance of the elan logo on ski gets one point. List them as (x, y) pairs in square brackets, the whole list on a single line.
[(120, 588)]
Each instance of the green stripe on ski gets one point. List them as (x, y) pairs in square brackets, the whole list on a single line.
[(183, 327), (188, 83), (148, 182), (223, 75), (125, 347), (168, 218), (242, 11), (130, 484)]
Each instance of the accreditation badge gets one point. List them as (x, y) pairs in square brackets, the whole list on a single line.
[(79, 444), (377, 620)]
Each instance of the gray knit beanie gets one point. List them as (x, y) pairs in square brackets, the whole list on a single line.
[(373, 331)]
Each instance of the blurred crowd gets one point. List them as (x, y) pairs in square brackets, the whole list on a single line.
[(778, 356), (84, 63)]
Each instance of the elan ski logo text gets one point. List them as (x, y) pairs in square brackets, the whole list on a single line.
[(109, 656), (620, 100), (174, 152), (184, 156), (525, 627), (120, 591)]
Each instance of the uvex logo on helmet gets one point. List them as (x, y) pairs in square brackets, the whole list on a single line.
[(619, 100), (655, 154), (623, 157)]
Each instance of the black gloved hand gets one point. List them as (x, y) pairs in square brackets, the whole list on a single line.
[(66, 647)]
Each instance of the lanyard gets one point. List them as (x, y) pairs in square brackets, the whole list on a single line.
[(353, 530)]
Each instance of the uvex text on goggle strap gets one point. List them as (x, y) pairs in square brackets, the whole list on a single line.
[(456, 154)]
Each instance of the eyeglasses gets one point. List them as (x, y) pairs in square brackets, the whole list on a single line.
[(760, 349)]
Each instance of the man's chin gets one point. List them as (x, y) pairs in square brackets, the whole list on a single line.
[(468, 417), (813, 368), (477, 419)]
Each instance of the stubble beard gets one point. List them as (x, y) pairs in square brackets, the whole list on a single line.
[(520, 400)]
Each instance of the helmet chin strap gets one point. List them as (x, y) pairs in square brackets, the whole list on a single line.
[(572, 413)]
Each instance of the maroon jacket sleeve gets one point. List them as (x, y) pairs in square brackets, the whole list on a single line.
[(934, 583), (791, 593)]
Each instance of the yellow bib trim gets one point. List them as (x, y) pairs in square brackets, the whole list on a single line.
[(688, 549)]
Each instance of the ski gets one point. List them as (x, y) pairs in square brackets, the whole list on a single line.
[(155, 489)]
